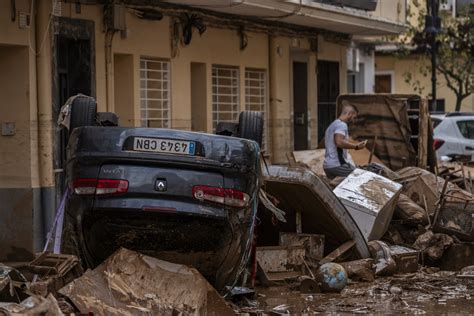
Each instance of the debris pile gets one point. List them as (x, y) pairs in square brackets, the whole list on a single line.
[(30, 288), (410, 220), (391, 233), (127, 283)]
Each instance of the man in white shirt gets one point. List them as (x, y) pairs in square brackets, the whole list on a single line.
[(337, 159)]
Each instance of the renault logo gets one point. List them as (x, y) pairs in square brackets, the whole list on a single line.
[(160, 185)]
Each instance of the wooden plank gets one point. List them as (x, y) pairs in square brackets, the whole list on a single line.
[(470, 181), (342, 249), (441, 202), (291, 160), (372, 151), (464, 178), (423, 125)]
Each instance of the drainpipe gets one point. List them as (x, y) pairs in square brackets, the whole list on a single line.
[(44, 202), (109, 37), (272, 94)]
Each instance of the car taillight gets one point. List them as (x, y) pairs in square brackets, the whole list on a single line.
[(437, 143), (229, 197), (99, 186)]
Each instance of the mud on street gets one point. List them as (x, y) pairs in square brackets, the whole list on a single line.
[(435, 293)]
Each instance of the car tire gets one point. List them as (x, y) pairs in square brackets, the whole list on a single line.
[(83, 112), (251, 126)]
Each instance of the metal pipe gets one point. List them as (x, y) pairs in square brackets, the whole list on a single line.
[(433, 6)]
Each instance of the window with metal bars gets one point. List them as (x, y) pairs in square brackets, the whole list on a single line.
[(155, 92), (225, 95), (256, 96)]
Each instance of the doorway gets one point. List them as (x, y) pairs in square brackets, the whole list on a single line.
[(300, 105), (74, 72), (328, 91), (383, 83), (123, 89), (198, 97)]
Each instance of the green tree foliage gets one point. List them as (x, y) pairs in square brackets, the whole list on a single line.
[(455, 54)]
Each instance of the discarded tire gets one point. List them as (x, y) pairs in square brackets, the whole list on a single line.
[(332, 277), (251, 126), (83, 112)]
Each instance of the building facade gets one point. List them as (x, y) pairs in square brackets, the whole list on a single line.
[(391, 70), (180, 64)]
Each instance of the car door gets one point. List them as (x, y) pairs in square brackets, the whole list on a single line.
[(447, 132), (465, 128)]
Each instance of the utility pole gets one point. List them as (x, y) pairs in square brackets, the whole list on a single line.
[(432, 28)]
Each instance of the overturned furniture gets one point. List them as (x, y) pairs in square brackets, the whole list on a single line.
[(370, 199), (311, 209)]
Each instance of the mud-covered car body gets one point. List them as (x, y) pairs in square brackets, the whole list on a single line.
[(194, 204)]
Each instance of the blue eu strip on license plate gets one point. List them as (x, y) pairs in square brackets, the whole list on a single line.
[(192, 148)]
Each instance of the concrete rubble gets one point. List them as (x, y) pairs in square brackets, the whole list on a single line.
[(385, 242)]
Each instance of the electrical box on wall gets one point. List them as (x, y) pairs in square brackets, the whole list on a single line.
[(24, 20), (119, 17), (8, 129)]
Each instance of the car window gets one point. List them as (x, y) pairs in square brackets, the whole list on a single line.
[(466, 128), (435, 122)]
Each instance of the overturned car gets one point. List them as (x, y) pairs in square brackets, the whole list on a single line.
[(184, 197)]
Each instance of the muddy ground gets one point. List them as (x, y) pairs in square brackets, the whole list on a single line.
[(440, 293)]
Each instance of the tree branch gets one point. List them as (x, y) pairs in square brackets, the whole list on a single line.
[(449, 83)]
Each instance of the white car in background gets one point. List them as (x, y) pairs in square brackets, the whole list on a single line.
[(453, 134)]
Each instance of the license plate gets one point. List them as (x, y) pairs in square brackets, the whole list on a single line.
[(168, 146)]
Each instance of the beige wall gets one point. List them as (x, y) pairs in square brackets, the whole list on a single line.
[(18, 153), (394, 10), (283, 51), (124, 94), (152, 39), (401, 66), (215, 46), (10, 32), (15, 153)]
